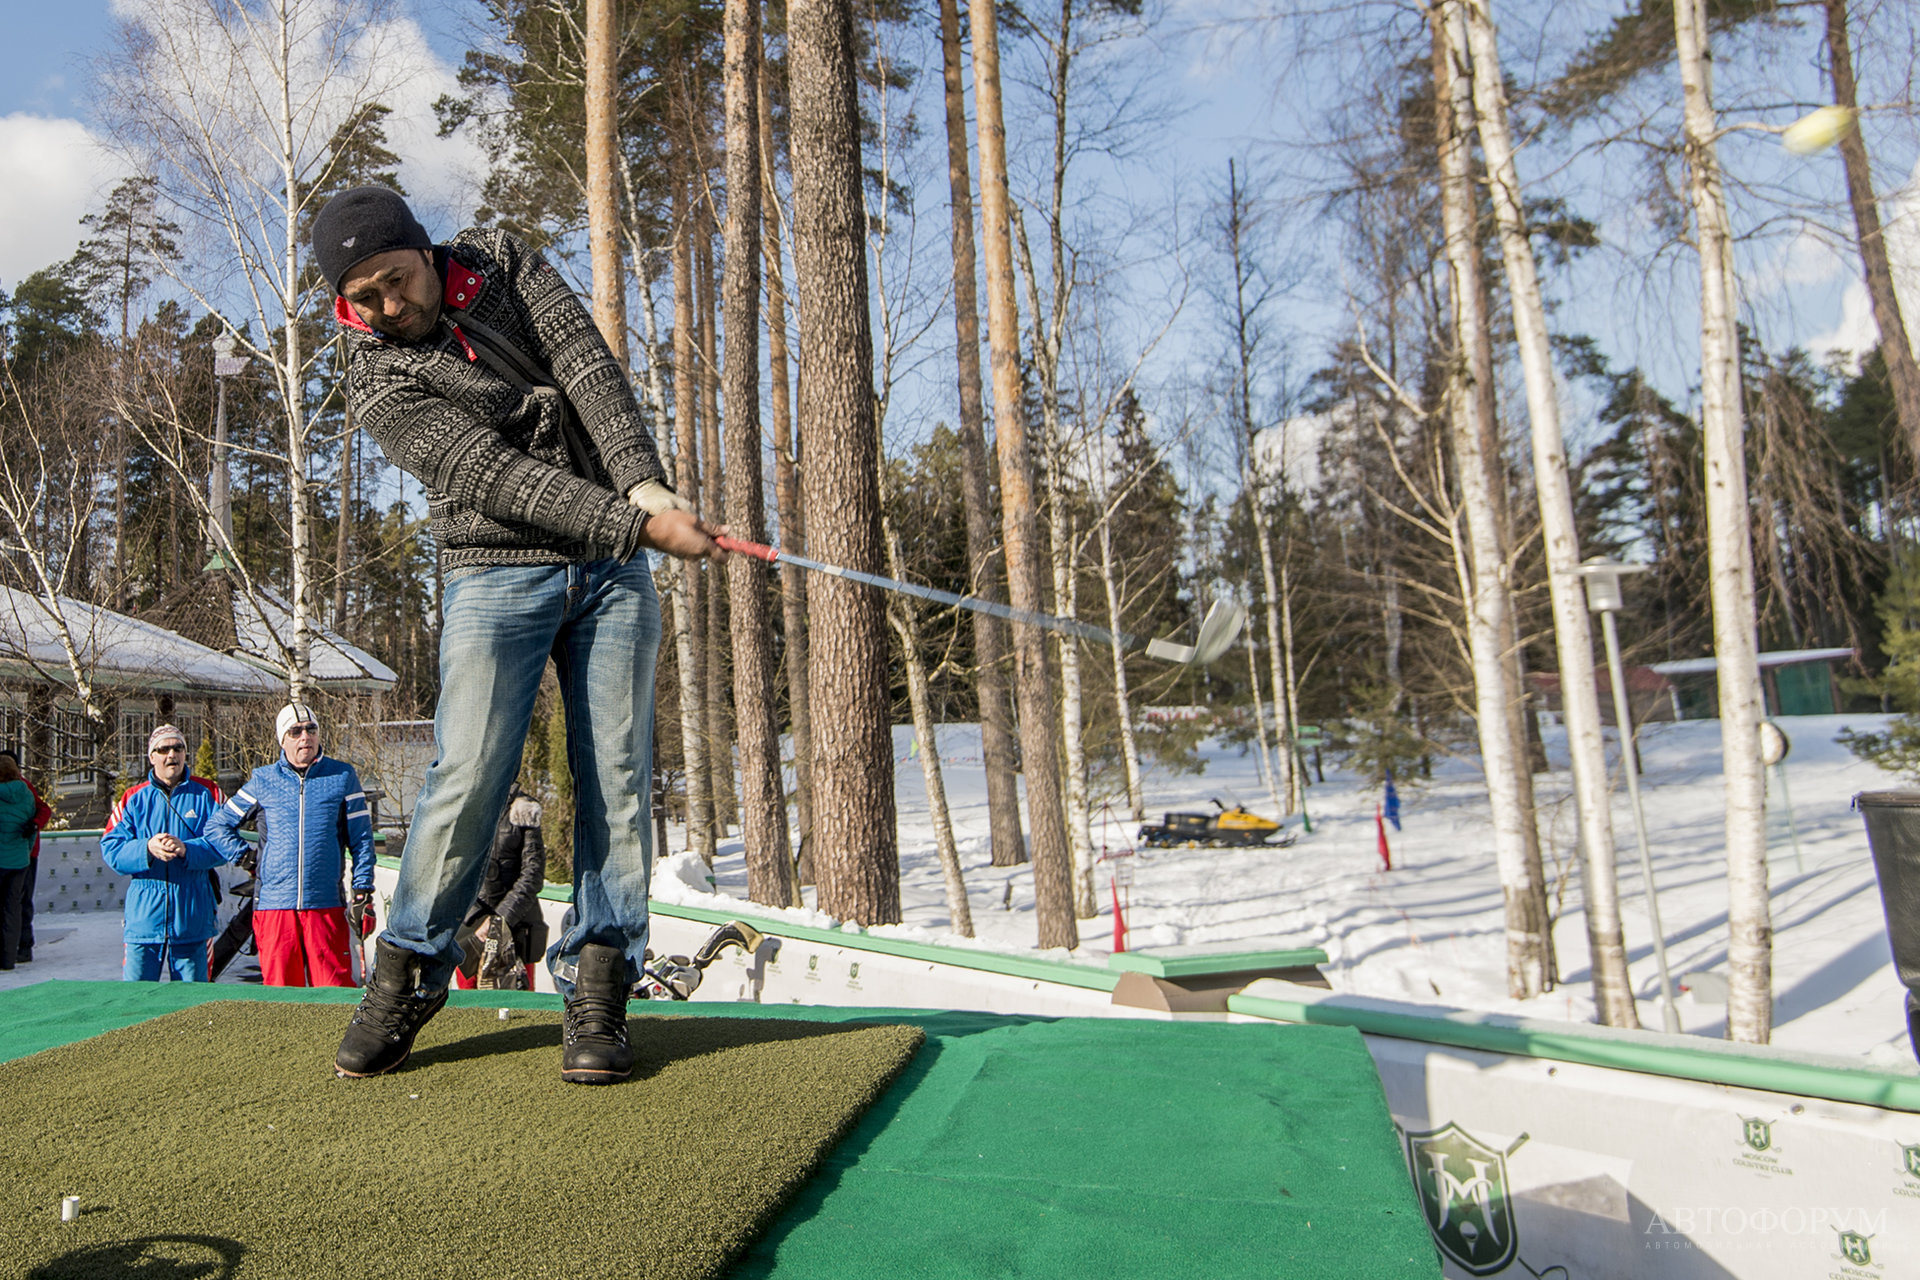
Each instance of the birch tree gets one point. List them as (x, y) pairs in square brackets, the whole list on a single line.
[(1573, 638), (689, 597), (1253, 480), (1729, 547), (1484, 575), (231, 109)]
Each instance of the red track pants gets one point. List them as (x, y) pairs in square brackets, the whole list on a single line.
[(303, 948)]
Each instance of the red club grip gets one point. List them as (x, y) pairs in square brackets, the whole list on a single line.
[(758, 551)]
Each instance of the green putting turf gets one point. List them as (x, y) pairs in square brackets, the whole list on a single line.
[(221, 1125), (1008, 1146)]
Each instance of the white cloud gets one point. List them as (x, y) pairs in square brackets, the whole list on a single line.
[(1856, 331), (441, 175), (52, 172)]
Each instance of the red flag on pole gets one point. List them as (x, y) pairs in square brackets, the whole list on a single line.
[(1119, 921), (1380, 825)]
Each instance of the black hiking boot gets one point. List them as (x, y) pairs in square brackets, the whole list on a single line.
[(595, 1049), (390, 1015)]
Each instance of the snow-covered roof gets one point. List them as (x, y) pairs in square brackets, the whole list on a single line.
[(1777, 658), (213, 610), (118, 651), (337, 664)]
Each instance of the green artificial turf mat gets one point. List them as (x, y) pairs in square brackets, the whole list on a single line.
[(1122, 1149), (1114, 1148), (215, 1141)]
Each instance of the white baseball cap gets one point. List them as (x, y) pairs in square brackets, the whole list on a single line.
[(292, 714)]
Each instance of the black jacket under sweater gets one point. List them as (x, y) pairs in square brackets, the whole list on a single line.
[(501, 489)]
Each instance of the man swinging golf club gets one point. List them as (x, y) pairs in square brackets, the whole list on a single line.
[(482, 375)]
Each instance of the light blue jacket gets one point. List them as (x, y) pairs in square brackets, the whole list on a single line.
[(305, 823)]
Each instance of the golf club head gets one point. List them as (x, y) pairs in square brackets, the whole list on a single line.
[(1218, 630)]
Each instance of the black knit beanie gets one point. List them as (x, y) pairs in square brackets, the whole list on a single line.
[(359, 223)]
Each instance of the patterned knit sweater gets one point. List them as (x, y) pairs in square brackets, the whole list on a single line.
[(500, 487)]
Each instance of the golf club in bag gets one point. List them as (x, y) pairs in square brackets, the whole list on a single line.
[(678, 977), (1217, 630)]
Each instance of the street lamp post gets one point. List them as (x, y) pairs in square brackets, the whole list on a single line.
[(219, 489), (1604, 598)]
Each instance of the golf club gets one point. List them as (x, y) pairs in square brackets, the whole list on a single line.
[(1217, 629)]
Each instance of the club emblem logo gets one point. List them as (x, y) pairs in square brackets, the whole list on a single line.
[(853, 970), (1854, 1246), (1462, 1184), (1911, 1157), (1758, 1134)]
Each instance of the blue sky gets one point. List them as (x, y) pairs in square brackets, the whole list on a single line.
[(52, 169)]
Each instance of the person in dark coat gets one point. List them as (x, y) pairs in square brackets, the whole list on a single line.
[(42, 815), (16, 844), (505, 931)]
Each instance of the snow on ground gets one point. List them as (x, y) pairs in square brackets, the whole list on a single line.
[(1429, 930)]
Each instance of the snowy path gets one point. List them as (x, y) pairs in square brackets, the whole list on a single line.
[(1430, 929)]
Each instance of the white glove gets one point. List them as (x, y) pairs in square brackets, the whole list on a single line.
[(655, 498)]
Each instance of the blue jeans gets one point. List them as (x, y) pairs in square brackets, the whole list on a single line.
[(600, 622), (148, 961)]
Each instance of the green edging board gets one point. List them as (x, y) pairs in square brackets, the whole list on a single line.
[(1654, 1053), (1016, 1146), (1066, 974), (1202, 966)]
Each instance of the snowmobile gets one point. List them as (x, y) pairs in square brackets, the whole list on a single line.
[(1227, 829), (678, 977)]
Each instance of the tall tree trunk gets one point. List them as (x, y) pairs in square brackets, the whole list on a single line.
[(856, 855), (1261, 754), (720, 744), (300, 517), (1122, 699), (343, 530), (991, 643), (763, 808), (690, 604), (786, 489), (1729, 550), (1046, 825), (649, 325), (1573, 634), (602, 56), (1481, 569), (1253, 484), (1895, 347), (1062, 537), (901, 614), (1298, 798)]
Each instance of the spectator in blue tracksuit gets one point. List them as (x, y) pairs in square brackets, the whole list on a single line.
[(157, 835), (310, 808)]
